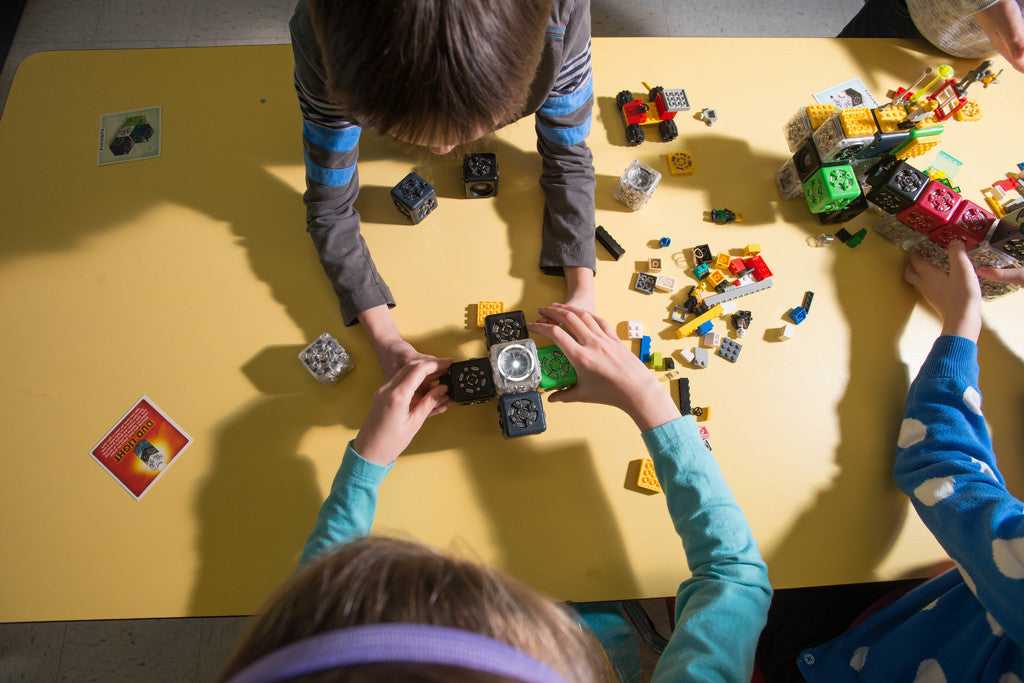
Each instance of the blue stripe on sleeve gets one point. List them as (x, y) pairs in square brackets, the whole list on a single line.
[(329, 177), (335, 140), (565, 136), (567, 104)]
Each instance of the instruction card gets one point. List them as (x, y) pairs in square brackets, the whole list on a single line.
[(847, 95), (140, 447), (129, 135)]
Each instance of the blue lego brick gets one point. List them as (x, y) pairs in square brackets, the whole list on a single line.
[(704, 329), (645, 349), (798, 314)]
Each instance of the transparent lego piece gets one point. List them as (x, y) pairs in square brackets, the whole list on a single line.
[(636, 185), (986, 255), (890, 227), (822, 240), (798, 129), (787, 181), (326, 359), (516, 366)]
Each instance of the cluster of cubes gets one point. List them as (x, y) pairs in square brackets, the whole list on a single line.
[(513, 371), (415, 198), (847, 161)]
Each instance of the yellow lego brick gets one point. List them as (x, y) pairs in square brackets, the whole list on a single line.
[(971, 111), (817, 113), (722, 261), (680, 163), (916, 148), (486, 308), (857, 122), (889, 118), (993, 197), (752, 250), (688, 328), (647, 479), (714, 278)]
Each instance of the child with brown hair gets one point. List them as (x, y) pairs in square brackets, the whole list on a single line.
[(378, 609), (440, 74)]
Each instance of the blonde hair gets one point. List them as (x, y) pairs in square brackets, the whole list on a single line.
[(385, 580)]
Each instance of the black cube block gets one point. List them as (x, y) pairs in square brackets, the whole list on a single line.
[(480, 175), (505, 327), (470, 381), (847, 213), (414, 197), (521, 414), (896, 186)]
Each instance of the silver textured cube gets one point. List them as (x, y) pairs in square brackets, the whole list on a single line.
[(832, 143), (787, 181), (798, 129), (326, 359), (516, 366), (636, 185), (892, 229)]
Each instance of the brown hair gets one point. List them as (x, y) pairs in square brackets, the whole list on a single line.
[(430, 71), (385, 580)]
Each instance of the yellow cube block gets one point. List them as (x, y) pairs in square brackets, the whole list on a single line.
[(722, 261), (486, 308), (751, 250), (680, 163), (817, 113), (889, 118), (647, 479), (714, 278)]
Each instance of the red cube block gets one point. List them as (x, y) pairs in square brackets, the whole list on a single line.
[(761, 270), (736, 265), (970, 224), (933, 208)]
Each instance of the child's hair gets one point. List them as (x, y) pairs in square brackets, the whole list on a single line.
[(430, 71), (381, 580)]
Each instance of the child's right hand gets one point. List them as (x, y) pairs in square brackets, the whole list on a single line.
[(955, 296), (608, 372)]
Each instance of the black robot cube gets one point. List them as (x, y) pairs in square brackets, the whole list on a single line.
[(521, 414), (470, 381), (505, 327), (414, 197), (480, 175)]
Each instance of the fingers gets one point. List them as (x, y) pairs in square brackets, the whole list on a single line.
[(434, 402), (1011, 275), (959, 262)]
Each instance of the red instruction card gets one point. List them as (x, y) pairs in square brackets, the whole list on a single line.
[(140, 447)]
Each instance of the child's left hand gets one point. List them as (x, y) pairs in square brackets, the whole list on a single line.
[(398, 411), (955, 296)]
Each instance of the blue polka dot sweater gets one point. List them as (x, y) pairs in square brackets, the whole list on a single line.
[(967, 624)]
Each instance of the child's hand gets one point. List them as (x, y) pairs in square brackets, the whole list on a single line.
[(956, 295), (608, 372), (1012, 275), (398, 411)]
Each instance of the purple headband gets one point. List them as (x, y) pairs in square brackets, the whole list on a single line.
[(407, 643)]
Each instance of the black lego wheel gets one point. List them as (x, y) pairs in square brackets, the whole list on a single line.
[(623, 98), (634, 134), (668, 130)]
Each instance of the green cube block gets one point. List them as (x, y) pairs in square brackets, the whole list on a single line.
[(555, 369), (831, 188)]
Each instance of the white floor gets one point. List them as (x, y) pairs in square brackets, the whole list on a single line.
[(192, 649)]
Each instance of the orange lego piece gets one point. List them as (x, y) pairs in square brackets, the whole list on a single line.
[(722, 261), (647, 479)]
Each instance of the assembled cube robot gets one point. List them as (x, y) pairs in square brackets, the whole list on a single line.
[(849, 160)]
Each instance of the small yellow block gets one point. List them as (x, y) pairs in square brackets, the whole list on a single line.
[(680, 163), (857, 122), (818, 113), (722, 261), (486, 308), (714, 278), (752, 250), (916, 148), (685, 330), (971, 111), (647, 479), (889, 118)]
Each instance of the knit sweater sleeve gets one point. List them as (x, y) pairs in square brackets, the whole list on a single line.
[(946, 465), (349, 509), (722, 607)]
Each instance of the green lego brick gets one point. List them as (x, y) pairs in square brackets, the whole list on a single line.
[(831, 188), (555, 369)]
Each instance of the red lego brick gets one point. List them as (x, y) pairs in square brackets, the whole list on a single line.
[(970, 224), (761, 270), (736, 265), (933, 208), (663, 113)]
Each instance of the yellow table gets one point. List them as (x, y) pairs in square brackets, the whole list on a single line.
[(189, 278)]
